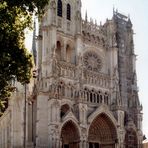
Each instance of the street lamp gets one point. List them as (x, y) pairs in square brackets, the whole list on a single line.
[(25, 95), (25, 106)]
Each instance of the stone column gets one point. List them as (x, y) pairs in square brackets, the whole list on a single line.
[(83, 144), (83, 137), (121, 138), (42, 120)]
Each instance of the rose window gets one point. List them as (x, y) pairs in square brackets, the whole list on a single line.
[(92, 61)]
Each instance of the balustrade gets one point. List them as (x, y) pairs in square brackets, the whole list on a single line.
[(63, 91), (90, 26), (67, 70), (97, 79), (95, 97)]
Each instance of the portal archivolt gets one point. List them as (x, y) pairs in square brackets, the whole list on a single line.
[(102, 133), (70, 135)]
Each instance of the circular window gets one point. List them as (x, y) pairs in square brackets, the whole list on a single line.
[(92, 61)]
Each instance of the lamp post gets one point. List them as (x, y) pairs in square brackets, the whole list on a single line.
[(25, 108), (25, 114)]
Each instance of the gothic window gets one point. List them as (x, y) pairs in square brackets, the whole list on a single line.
[(68, 53), (94, 97), (58, 50), (98, 98), (68, 12), (59, 9), (88, 96), (106, 98), (91, 97)]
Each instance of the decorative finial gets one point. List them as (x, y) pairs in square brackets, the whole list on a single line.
[(100, 23), (90, 19), (113, 9), (96, 22), (33, 50), (86, 16)]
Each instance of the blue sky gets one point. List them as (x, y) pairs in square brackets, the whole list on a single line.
[(138, 11)]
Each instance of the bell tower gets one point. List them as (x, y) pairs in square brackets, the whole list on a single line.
[(65, 15), (59, 41)]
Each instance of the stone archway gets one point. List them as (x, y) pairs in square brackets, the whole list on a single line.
[(70, 135), (102, 133), (131, 140)]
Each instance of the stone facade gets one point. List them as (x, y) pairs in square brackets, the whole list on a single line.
[(85, 94)]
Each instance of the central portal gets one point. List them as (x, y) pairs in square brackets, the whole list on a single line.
[(102, 133), (70, 135)]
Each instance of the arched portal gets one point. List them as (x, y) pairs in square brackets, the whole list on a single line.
[(102, 133), (131, 139), (70, 135)]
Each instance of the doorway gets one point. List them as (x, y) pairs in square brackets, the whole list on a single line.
[(70, 135)]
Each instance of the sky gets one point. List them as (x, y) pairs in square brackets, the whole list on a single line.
[(138, 12)]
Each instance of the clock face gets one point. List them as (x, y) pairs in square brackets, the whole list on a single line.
[(92, 61)]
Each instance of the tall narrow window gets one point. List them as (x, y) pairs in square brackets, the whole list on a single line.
[(68, 53), (68, 12), (59, 10), (58, 50)]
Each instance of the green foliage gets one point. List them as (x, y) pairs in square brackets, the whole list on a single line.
[(15, 60)]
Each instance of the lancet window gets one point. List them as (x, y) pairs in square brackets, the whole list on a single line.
[(68, 12), (59, 9)]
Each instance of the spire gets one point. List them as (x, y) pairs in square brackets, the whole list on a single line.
[(129, 23), (113, 10), (86, 16), (33, 51), (95, 22)]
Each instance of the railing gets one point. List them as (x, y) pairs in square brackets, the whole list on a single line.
[(67, 70), (63, 91), (97, 79), (94, 97)]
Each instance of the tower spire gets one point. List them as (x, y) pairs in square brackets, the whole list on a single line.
[(86, 16), (33, 51)]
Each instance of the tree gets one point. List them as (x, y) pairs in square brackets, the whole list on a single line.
[(15, 60)]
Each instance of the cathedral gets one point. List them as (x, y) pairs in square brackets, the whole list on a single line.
[(84, 94)]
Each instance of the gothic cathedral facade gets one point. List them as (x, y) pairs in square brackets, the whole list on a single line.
[(85, 94), (87, 87)]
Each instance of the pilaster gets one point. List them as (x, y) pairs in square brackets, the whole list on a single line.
[(42, 121)]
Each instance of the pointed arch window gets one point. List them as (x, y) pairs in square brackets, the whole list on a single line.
[(68, 12), (58, 50), (59, 10)]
